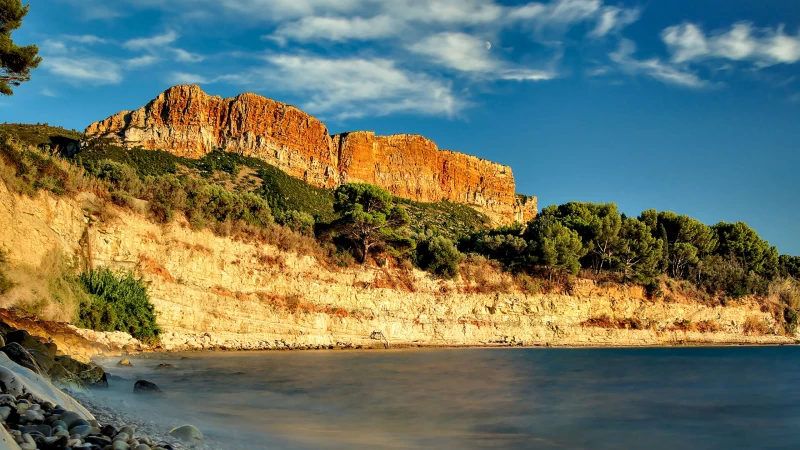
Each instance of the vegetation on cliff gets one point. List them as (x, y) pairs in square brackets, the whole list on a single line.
[(249, 199), (16, 61), (117, 302)]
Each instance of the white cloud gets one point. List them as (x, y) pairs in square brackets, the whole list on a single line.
[(458, 51), (279, 10), (613, 19), (187, 78), (337, 29), (184, 56), (654, 67), (88, 39), (84, 70), (149, 43), (47, 92), (452, 12), (50, 46), (353, 87), (526, 75), (471, 54), (557, 12), (141, 62), (741, 42)]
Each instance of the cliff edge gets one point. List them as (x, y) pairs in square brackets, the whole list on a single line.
[(187, 122)]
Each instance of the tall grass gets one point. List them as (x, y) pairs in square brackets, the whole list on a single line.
[(118, 302)]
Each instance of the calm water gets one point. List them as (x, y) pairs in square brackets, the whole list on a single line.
[(711, 398)]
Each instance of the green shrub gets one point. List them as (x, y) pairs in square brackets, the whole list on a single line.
[(119, 302), (298, 221), (438, 255), (121, 177)]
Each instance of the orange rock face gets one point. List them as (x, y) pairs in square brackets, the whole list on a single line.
[(188, 122)]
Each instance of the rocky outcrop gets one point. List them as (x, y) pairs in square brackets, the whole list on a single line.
[(213, 292), (188, 122)]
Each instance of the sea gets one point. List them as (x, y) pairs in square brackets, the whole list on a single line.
[(539, 398)]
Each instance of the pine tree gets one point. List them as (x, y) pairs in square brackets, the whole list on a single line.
[(16, 61)]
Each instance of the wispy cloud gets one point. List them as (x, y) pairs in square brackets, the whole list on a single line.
[(187, 78), (741, 42), (141, 62), (613, 19), (654, 67), (337, 29), (47, 92), (471, 54), (149, 43), (349, 87), (84, 70)]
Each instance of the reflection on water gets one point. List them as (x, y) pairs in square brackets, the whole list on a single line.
[(715, 398)]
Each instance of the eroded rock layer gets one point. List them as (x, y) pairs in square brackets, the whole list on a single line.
[(188, 122)]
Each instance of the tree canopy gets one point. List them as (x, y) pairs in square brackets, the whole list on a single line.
[(16, 61), (369, 218)]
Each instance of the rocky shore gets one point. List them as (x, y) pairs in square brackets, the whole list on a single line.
[(37, 414)]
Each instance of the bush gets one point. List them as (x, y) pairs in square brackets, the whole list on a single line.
[(118, 303), (121, 177), (438, 255), (298, 221), (653, 290)]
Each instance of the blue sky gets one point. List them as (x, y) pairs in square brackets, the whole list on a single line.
[(690, 106)]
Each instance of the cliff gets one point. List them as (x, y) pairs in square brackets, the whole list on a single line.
[(214, 291), (188, 122)]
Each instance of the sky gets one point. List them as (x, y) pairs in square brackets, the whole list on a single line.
[(690, 106)]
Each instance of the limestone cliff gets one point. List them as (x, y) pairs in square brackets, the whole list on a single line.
[(188, 122), (213, 291)]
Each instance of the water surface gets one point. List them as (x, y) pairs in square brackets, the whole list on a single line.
[(655, 398)]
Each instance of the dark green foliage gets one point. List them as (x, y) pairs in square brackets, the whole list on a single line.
[(554, 246), (300, 222), (166, 195), (40, 136), (789, 266), (637, 252), (504, 244), (285, 193), (120, 177), (438, 255), (452, 220), (369, 220), (597, 224), (118, 302), (16, 61), (739, 241), (145, 162)]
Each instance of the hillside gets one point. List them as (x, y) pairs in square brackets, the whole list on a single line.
[(269, 286)]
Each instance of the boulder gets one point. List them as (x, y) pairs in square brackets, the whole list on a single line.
[(44, 360), (19, 355), (125, 362), (23, 338), (188, 434), (89, 374), (145, 387)]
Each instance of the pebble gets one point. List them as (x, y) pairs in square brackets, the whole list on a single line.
[(32, 415), (81, 431), (69, 417)]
